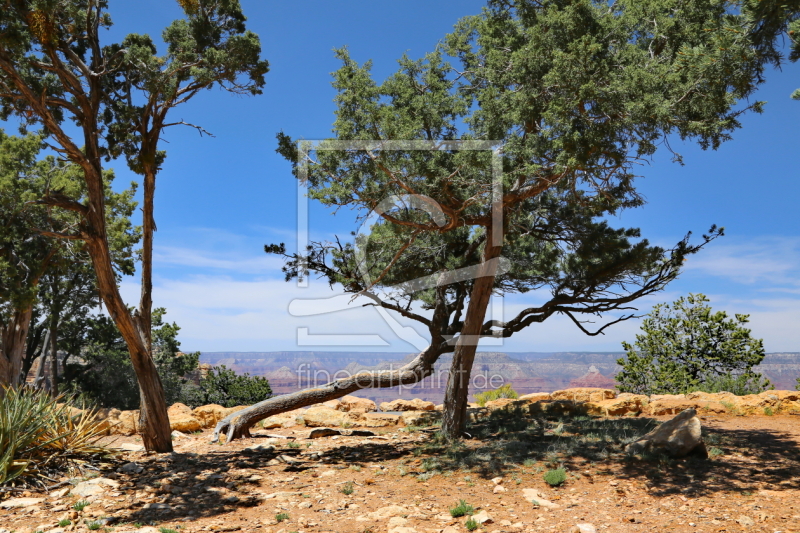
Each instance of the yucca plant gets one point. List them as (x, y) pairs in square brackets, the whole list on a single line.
[(37, 431)]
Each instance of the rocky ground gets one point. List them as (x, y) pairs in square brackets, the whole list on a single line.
[(404, 480)]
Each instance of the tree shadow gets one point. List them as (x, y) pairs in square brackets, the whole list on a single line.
[(741, 461)]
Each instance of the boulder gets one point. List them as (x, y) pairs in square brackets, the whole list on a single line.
[(757, 403), (583, 395), (661, 407), (677, 437), (420, 418), (379, 420), (126, 423), (535, 397), (354, 404), (94, 486), (17, 503), (321, 416), (790, 400), (408, 405), (384, 513), (318, 433), (181, 419), (208, 415), (332, 404), (499, 403), (629, 404)]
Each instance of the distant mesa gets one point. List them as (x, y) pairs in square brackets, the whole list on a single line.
[(593, 378)]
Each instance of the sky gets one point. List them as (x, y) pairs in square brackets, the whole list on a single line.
[(220, 199)]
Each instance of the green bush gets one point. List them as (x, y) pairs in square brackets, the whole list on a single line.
[(506, 391), (685, 347), (555, 477), (224, 387), (280, 517), (471, 524), (463, 508), (39, 435)]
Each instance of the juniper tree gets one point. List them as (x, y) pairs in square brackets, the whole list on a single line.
[(55, 67), (573, 96), (686, 347), (36, 266)]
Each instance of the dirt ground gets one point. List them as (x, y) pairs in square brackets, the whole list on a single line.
[(407, 481)]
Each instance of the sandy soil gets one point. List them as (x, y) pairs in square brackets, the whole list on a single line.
[(750, 484)]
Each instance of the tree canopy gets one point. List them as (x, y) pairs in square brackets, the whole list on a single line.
[(685, 347), (54, 67), (562, 102)]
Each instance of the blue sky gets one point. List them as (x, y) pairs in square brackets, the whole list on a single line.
[(219, 200)]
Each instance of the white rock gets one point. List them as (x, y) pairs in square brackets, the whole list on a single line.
[(94, 486), (583, 528), (482, 518), (497, 480), (533, 496), (498, 489), (15, 503), (676, 438), (383, 513), (397, 521)]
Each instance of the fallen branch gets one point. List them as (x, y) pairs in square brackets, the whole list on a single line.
[(237, 425)]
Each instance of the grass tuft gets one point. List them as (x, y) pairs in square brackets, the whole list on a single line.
[(463, 508), (555, 477)]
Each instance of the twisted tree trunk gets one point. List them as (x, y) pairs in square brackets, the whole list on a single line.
[(238, 424)]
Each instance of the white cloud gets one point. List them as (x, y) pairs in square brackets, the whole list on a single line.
[(227, 299), (765, 260)]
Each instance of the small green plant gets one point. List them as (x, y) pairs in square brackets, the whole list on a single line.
[(356, 468), (462, 509), (768, 411), (347, 489), (529, 462), (166, 530), (80, 506), (94, 525), (715, 452), (506, 391), (64, 523), (471, 524), (280, 517), (293, 444), (555, 477), (346, 424)]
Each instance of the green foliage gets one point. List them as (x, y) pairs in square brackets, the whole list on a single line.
[(166, 530), (224, 387), (504, 391), (64, 523), (347, 489), (463, 508), (280, 517), (80, 505), (686, 347), (106, 375), (471, 524), (555, 477), (39, 435), (715, 452), (93, 525)]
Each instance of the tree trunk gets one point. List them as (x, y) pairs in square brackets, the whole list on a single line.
[(454, 418), (38, 381), (12, 347), (238, 424), (153, 419)]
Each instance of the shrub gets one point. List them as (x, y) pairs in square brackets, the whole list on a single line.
[(506, 391), (463, 508), (715, 452), (40, 435), (471, 524), (280, 517), (224, 387), (555, 477), (347, 489), (685, 347)]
